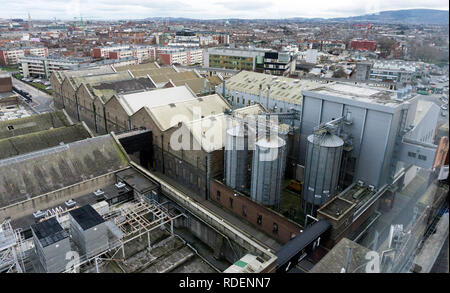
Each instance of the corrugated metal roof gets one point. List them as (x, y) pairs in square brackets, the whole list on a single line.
[(282, 88), (135, 101)]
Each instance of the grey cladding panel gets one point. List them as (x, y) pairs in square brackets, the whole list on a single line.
[(355, 129), (310, 119), (331, 110), (373, 147)]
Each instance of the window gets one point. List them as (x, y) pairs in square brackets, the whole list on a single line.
[(244, 211), (231, 202), (10, 127), (218, 195), (275, 228), (259, 219), (411, 154), (422, 157)]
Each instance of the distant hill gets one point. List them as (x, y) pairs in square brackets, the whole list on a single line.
[(410, 16)]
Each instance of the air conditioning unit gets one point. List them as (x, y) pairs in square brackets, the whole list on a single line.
[(360, 183)]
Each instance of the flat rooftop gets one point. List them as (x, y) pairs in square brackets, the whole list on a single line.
[(8, 113), (136, 180), (359, 93), (49, 232), (336, 208), (86, 217), (336, 258)]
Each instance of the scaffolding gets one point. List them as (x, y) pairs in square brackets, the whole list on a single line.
[(11, 252), (127, 223)]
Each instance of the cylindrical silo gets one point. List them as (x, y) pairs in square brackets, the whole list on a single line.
[(323, 161), (236, 158), (269, 160)]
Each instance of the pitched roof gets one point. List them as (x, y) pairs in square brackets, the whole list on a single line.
[(105, 90), (209, 132), (30, 175), (282, 88), (144, 66), (168, 115), (34, 123), (135, 101), (31, 142)]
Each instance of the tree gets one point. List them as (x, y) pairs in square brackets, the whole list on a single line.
[(340, 73)]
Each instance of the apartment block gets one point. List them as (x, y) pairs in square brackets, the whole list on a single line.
[(10, 56), (169, 56)]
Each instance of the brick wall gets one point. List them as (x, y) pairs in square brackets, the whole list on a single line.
[(248, 210), (5, 84)]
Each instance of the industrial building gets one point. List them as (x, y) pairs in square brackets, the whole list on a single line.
[(352, 134), (277, 93), (147, 233), (94, 95)]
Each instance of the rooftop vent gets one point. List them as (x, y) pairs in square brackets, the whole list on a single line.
[(70, 203), (99, 192), (172, 105), (120, 185), (39, 214)]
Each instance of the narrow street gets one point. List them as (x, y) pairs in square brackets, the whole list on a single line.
[(42, 102)]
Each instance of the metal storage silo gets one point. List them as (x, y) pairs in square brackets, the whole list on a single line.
[(236, 157), (269, 161), (323, 161)]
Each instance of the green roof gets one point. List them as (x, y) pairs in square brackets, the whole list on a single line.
[(31, 124), (241, 263)]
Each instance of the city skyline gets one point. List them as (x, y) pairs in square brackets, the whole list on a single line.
[(216, 9)]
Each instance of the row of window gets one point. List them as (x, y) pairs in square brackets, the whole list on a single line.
[(259, 217), (249, 102), (420, 157)]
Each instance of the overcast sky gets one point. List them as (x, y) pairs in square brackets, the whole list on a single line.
[(205, 9)]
